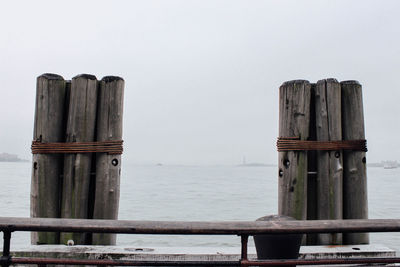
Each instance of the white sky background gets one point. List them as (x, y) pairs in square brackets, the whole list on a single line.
[(202, 77)]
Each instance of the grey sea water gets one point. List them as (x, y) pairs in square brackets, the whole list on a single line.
[(198, 193)]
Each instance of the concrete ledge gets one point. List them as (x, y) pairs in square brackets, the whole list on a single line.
[(346, 251), (191, 253)]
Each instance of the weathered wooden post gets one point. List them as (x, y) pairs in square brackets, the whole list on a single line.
[(47, 168), (108, 165), (77, 167), (329, 163), (355, 203), (315, 129), (312, 171), (294, 119)]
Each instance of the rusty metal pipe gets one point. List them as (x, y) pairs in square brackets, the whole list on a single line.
[(245, 263), (45, 261), (244, 242), (6, 243), (5, 259)]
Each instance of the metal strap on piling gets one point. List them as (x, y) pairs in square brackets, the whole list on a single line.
[(110, 147), (294, 144)]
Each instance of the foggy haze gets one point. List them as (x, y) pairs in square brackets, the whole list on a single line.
[(202, 77)]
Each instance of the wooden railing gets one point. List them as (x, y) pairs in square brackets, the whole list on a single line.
[(241, 228)]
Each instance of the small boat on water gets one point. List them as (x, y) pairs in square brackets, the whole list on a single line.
[(390, 164)]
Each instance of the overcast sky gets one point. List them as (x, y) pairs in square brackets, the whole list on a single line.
[(202, 77)]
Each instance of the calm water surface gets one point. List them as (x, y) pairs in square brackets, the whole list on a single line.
[(198, 193)]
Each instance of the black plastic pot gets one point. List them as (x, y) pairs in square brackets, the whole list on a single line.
[(276, 246)]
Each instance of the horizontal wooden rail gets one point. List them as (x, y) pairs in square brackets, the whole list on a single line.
[(198, 228), (242, 228)]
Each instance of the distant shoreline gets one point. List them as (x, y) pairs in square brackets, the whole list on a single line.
[(20, 160), (6, 157), (257, 165)]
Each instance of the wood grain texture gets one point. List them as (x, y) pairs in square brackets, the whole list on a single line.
[(199, 227), (77, 167), (329, 163), (311, 239), (47, 169), (294, 119), (355, 202), (108, 167)]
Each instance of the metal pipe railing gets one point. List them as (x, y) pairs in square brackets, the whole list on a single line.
[(241, 228), (198, 228)]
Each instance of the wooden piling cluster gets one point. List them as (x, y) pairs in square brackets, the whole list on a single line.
[(323, 184), (76, 185)]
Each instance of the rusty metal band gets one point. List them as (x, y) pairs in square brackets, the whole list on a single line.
[(110, 147), (294, 144)]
